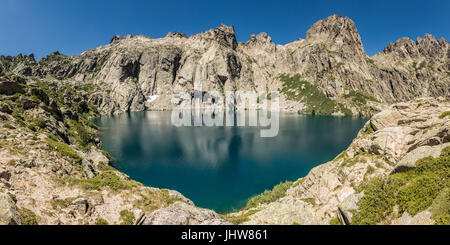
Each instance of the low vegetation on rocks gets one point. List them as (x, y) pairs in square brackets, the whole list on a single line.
[(411, 191), (269, 195), (316, 101), (28, 217), (106, 179)]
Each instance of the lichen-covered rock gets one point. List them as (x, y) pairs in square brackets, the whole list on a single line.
[(8, 211), (347, 207), (181, 213), (410, 159), (422, 218), (286, 211), (387, 118)]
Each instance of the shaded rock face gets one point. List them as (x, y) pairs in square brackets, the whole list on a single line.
[(131, 71), (8, 211)]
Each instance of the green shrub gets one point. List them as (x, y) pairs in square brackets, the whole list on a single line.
[(440, 208), (413, 191), (268, 196), (370, 169), (82, 135), (105, 179), (241, 218), (127, 217), (28, 217), (418, 194), (359, 97), (317, 102), (62, 203), (37, 123), (154, 199), (444, 114), (335, 221), (101, 221), (63, 149), (309, 200)]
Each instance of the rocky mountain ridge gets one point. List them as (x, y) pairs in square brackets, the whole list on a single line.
[(135, 73)]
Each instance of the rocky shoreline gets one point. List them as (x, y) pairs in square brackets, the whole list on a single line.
[(393, 144)]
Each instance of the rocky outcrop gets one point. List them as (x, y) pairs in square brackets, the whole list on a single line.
[(8, 211), (181, 213), (134, 73), (394, 145)]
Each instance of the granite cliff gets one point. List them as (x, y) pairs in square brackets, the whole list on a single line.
[(135, 73)]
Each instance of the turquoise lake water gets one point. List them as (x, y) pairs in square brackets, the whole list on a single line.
[(221, 167)]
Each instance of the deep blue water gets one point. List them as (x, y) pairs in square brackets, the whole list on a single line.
[(221, 167)]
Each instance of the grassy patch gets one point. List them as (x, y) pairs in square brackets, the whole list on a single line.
[(335, 221), (317, 102), (84, 137), (309, 200), (368, 130), (444, 114), (412, 191), (127, 217), (241, 218), (359, 97), (62, 203), (268, 196), (37, 123), (63, 149), (370, 169), (28, 217), (101, 221), (155, 199), (106, 179)]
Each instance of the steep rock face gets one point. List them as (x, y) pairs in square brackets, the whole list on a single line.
[(133, 73)]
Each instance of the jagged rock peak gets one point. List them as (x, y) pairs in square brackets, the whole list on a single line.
[(335, 31), (176, 35), (118, 38), (403, 47), (54, 56), (223, 34), (426, 46), (260, 38), (430, 47)]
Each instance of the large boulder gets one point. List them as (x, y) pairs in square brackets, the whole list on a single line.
[(181, 213), (391, 141), (8, 211), (422, 218), (347, 207), (410, 159), (387, 118)]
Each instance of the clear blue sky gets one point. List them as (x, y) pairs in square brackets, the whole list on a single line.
[(71, 27)]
